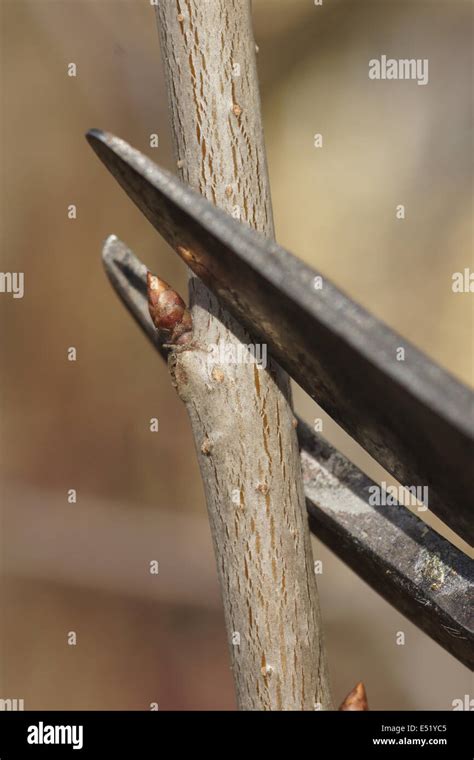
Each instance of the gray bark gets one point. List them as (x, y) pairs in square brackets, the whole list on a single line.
[(241, 416)]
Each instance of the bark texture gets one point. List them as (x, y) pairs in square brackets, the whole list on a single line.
[(241, 415)]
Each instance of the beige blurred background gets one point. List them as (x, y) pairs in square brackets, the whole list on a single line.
[(84, 567)]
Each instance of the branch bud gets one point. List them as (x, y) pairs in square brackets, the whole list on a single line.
[(168, 312), (356, 699)]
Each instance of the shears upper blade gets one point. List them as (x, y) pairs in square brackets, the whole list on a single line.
[(412, 416)]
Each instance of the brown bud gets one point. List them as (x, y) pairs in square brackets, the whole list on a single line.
[(168, 312), (356, 699)]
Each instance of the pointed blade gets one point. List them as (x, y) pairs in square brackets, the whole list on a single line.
[(414, 418), (420, 573)]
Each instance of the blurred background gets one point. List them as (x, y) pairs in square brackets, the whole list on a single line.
[(84, 567)]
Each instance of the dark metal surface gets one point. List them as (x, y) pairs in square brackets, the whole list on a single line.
[(409, 564), (421, 574), (411, 416), (127, 276)]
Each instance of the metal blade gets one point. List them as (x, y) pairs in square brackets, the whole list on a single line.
[(420, 573), (128, 278), (411, 416)]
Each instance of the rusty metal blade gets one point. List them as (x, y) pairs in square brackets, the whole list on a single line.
[(412, 416), (420, 573)]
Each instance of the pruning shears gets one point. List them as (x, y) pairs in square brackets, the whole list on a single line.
[(410, 415)]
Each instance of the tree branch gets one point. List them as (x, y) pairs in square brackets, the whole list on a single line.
[(241, 415)]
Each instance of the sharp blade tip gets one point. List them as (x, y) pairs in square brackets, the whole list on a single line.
[(119, 260), (112, 250), (95, 134)]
